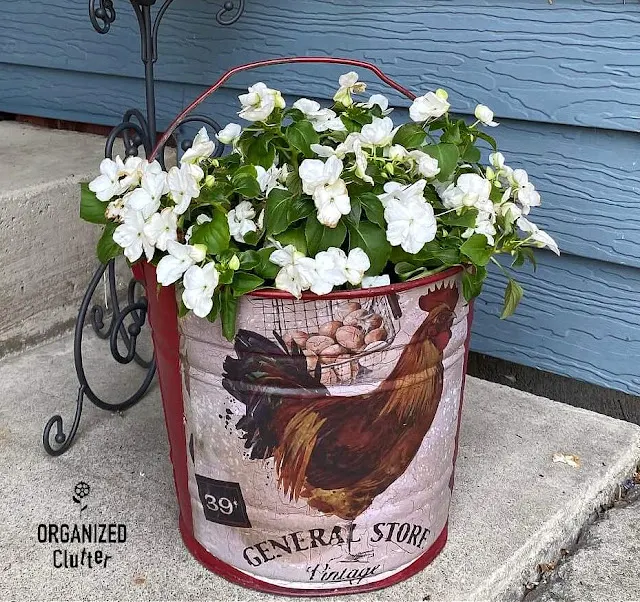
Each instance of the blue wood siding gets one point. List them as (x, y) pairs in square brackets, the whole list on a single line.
[(563, 79)]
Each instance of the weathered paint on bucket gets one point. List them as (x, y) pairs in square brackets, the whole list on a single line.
[(313, 466)]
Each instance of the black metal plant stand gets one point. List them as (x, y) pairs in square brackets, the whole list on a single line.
[(137, 130)]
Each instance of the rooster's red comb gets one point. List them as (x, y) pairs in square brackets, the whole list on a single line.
[(443, 295)]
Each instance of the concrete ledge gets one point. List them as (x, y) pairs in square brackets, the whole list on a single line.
[(513, 507), (47, 255)]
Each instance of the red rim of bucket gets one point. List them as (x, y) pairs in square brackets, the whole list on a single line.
[(376, 291)]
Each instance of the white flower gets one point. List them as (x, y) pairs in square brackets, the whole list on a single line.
[(379, 132), (321, 119), (373, 281), (131, 237), (229, 134), (116, 209), (315, 173), (201, 148), (134, 170), (329, 192), (397, 153), (430, 106), (410, 223), (332, 202), (349, 84), (268, 179), (426, 164), (107, 184), (497, 160), (146, 199), (333, 267), (402, 192), (510, 211), (339, 151), (485, 115), (183, 187), (260, 102), (471, 190), (329, 270), (180, 259), (537, 237), (199, 286), (297, 273), (523, 191), (484, 225), (379, 100), (241, 221), (356, 265), (161, 228), (361, 162)]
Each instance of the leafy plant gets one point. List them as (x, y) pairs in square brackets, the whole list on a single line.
[(315, 198)]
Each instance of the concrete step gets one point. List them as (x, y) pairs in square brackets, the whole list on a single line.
[(602, 567), (47, 255), (513, 508)]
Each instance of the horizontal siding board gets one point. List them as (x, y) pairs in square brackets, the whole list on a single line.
[(560, 63), (578, 317)]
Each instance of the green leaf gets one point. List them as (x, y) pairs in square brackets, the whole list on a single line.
[(108, 249), (487, 138), (512, 296), (529, 254), (214, 234), (183, 310), (471, 154), (373, 208), (477, 250), (320, 238), (91, 209), (410, 135), (299, 208), (249, 260), (295, 237), (355, 213), (451, 134), (373, 241), (294, 183), (301, 135), (282, 210), (472, 281), (467, 219), (245, 182), (228, 312), (215, 309), (350, 124), (447, 156), (260, 151), (244, 282), (265, 269)]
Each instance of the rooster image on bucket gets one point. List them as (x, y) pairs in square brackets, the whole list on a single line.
[(315, 453)]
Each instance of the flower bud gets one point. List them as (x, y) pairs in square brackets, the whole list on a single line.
[(234, 263), (209, 181), (443, 94), (198, 253)]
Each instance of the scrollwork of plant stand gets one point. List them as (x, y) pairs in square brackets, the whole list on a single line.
[(137, 130)]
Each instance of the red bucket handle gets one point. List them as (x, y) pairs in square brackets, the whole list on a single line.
[(267, 63)]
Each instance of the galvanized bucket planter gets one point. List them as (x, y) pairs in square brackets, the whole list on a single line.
[(315, 454)]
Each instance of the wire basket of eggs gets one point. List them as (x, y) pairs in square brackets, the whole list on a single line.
[(343, 339)]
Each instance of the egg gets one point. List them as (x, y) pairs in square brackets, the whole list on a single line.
[(350, 337)]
